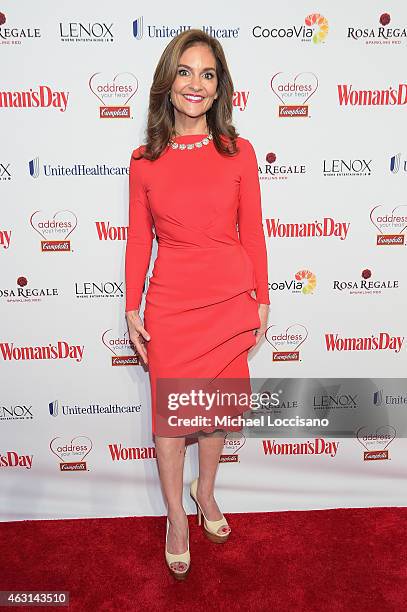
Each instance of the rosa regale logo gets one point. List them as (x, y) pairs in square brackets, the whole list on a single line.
[(15, 35), (62, 223), (319, 25), (120, 347), (308, 279), (390, 224), (379, 34), (115, 94), (286, 341), (294, 92)]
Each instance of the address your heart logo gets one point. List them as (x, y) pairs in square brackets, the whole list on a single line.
[(75, 449), (296, 89), (114, 93), (60, 225), (288, 339), (378, 439)]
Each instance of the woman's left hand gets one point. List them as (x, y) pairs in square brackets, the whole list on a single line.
[(263, 314)]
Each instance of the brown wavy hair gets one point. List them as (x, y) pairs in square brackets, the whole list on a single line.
[(161, 118)]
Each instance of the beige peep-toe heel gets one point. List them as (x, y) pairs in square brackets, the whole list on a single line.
[(210, 527), (183, 558)]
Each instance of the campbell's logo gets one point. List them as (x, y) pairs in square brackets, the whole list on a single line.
[(392, 96), (121, 348), (314, 29), (303, 281), (5, 237), (105, 231), (382, 33), (54, 230), (366, 285), (72, 453), (23, 293), (325, 228), (41, 97), (233, 442), (375, 443), (319, 446), (15, 34), (390, 223), (279, 171), (13, 459), (131, 453), (380, 342), (114, 94), (286, 341), (60, 350), (294, 92), (91, 31)]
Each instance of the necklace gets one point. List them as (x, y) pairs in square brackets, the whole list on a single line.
[(192, 145)]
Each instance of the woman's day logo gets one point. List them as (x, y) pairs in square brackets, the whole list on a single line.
[(114, 94), (376, 442), (72, 453), (286, 342), (294, 93), (54, 230), (119, 346), (391, 225)]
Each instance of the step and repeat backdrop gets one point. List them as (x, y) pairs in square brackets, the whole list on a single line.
[(321, 93)]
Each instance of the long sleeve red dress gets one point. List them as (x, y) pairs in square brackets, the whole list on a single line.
[(205, 211)]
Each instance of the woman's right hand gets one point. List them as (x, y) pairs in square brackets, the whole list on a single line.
[(138, 335)]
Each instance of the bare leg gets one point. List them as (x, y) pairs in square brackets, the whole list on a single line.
[(210, 448), (170, 456)]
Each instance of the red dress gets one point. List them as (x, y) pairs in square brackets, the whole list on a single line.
[(199, 310)]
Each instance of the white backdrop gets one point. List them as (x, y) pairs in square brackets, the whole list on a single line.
[(64, 185)]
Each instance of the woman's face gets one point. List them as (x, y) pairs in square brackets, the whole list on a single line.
[(194, 88)]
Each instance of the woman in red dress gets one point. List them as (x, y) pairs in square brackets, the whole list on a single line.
[(195, 186)]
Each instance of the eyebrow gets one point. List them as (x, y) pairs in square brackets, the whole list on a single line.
[(204, 69)]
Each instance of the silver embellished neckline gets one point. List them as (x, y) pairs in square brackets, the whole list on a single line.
[(191, 145)]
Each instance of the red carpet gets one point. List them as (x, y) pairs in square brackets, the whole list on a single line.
[(314, 561)]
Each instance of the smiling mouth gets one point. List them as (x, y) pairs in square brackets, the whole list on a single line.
[(192, 98)]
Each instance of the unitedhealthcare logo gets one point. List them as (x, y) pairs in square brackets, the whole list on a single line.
[(138, 28), (34, 167), (141, 30), (378, 398), (53, 408), (397, 164)]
